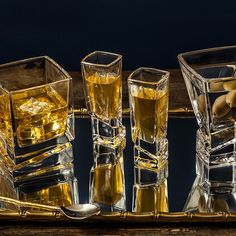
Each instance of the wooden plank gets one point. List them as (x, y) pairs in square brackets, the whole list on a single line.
[(114, 229)]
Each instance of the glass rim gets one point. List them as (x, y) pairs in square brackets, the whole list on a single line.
[(181, 59), (165, 76), (68, 77), (84, 62)]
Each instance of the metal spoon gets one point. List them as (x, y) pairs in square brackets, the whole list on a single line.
[(80, 211), (77, 212)]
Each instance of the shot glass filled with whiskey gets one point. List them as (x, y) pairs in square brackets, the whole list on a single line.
[(102, 73), (36, 127), (148, 96)]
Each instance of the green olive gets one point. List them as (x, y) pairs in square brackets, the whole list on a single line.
[(230, 85), (231, 98), (201, 103), (202, 205), (216, 86), (220, 205), (220, 108)]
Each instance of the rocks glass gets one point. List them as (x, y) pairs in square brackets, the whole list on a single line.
[(36, 127), (101, 72), (148, 97), (211, 83)]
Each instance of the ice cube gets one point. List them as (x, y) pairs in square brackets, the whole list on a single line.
[(33, 106)]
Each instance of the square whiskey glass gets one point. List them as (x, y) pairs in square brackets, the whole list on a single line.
[(36, 126)]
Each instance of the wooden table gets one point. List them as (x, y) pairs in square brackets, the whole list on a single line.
[(116, 229)]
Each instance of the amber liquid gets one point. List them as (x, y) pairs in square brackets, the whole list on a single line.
[(151, 198), (105, 95), (150, 114), (107, 185), (6, 131), (39, 114), (58, 195)]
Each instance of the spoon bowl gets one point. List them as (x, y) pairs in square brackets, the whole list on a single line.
[(80, 211), (76, 212)]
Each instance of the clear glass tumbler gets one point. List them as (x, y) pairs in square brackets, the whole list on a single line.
[(148, 97), (210, 78), (102, 73), (36, 127)]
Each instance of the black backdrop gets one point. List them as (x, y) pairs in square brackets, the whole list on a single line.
[(146, 32)]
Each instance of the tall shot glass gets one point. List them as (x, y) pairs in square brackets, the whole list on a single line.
[(101, 72), (148, 97)]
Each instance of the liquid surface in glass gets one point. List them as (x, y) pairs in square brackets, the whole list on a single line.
[(104, 92)]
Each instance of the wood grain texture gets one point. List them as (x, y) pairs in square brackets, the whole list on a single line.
[(179, 103), (116, 229)]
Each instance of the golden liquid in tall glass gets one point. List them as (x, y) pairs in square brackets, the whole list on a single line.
[(104, 93), (150, 114), (58, 195), (151, 198), (107, 185), (40, 115)]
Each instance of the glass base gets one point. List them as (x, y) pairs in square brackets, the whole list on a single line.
[(215, 165), (150, 155), (55, 159), (218, 141), (215, 197), (151, 162), (210, 172), (110, 134)]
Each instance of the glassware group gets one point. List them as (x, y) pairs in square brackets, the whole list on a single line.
[(148, 93), (37, 127)]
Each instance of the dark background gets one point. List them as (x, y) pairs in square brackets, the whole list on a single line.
[(146, 32)]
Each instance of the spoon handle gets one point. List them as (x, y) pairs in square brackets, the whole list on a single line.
[(29, 204)]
